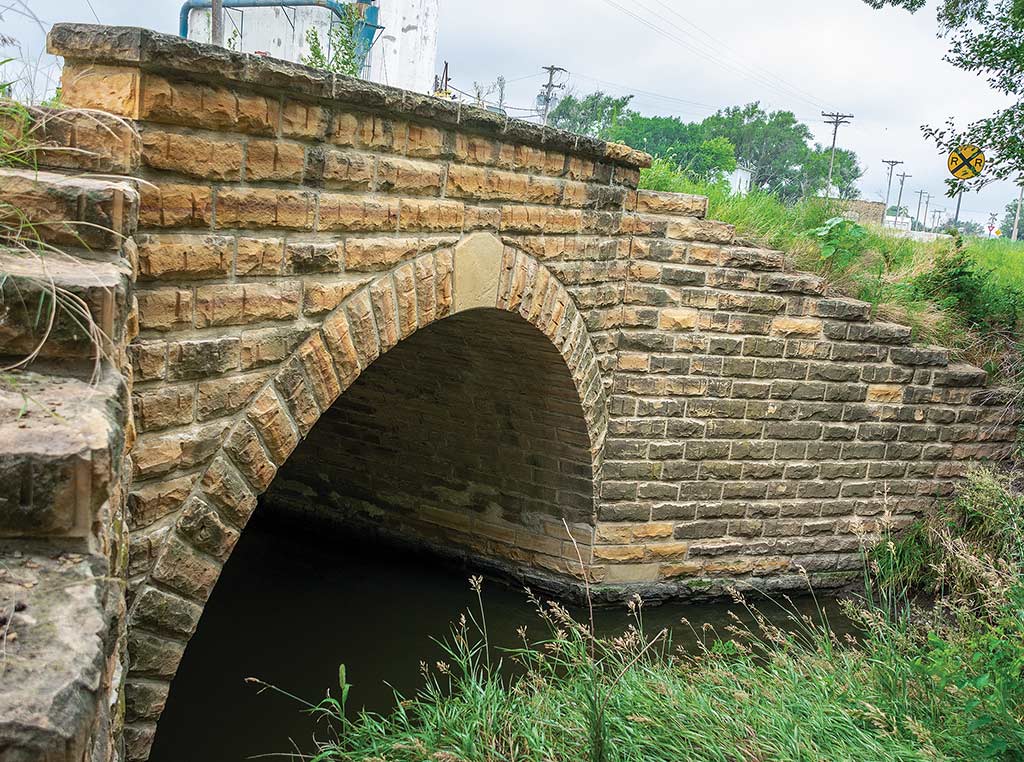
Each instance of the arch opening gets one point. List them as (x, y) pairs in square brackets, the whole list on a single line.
[(468, 437)]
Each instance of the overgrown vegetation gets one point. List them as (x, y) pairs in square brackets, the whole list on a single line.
[(942, 682), (342, 54)]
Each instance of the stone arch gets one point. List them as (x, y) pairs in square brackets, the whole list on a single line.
[(480, 272)]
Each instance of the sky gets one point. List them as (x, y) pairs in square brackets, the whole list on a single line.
[(689, 58)]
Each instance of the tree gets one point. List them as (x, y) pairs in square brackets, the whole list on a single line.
[(342, 54), (845, 173), (1011, 214), (774, 145), (685, 144), (987, 38), (657, 135), (593, 115), (972, 228)]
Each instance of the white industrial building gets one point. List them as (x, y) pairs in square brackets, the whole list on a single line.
[(401, 34)]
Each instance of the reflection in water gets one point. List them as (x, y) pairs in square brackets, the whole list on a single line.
[(294, 602)]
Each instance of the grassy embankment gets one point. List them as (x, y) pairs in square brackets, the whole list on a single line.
[(936, 683)]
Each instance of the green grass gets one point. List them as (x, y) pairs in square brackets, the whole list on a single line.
[(1002, 257), (943, 683)]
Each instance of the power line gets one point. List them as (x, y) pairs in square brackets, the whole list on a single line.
[(751, 71), (835, 119), (693, 49), (722, 44)]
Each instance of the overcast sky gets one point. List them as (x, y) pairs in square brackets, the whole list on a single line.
[(692, 57)]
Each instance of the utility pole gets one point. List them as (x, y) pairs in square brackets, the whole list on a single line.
[(888, 191), (835, 119), (217, 22), (935, 218), (546, 91), (927, 203), (903, 178), (959, 198), (917, 217), (1016, 218)]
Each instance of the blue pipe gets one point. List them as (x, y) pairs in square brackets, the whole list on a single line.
[(365, 29)]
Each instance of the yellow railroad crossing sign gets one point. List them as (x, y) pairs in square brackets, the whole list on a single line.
[(966, 162)]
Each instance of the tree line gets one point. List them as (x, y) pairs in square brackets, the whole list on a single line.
[(774, 146)]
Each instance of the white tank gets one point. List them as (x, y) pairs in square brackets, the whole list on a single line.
[(403, 54)]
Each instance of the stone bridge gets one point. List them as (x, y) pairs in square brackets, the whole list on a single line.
[(420, 318)]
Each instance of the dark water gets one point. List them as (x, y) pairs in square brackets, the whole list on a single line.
[(294, 602)]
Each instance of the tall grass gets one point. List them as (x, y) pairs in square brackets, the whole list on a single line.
[(943, 683)]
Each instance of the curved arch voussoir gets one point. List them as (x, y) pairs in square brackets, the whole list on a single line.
[(478, 273)]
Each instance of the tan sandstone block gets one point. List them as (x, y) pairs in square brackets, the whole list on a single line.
[(357, 213), (316, 359), (165, 309), (338, 338), (185, 570), (885, 393), (268, 415), (477, 270), (184, 256), (268, 346), (225, 487), (371, 254), (475, 149), (431, 215), (678, 319), (405, 291), (407, 176), (160, 407), (151, 501), (263, 207), (425, 142), (173, 205), (364, 330), (249, 303), (445, 266), (192, 155), (348, 169), (383, 298), (426, 294), (319, 297), (259, 256), (382, 133), (223, 396), (344, 129), (302, 120), (799, 327), (257, 114), (252, 460), (274, 160), (112, 89)]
